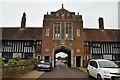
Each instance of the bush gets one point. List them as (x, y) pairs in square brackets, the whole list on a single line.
[(18, 61), (17, 58), (31, 61), (5, 64), (21, 62), (12, 62)]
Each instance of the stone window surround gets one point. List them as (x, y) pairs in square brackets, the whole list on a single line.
[(61, 31)]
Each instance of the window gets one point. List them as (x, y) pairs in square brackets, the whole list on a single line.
[(57, 31), (68, 31), (87, 47), (118, 45), (26, 44), (38, 48), (107, 64), (96, 45), (93, 63), (78, 32), (47, 32), (27, 55), (38, 42), (57, 14), (115, 45), (116, 57), (8, 43), (97, 56), (7, 55)]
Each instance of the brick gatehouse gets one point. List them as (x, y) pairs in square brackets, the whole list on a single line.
[(62, 31)]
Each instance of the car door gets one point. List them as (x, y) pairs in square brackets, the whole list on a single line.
[(90, 67), (94, 69)]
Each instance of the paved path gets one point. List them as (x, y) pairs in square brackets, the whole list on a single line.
[(66, 73), (32, 74)]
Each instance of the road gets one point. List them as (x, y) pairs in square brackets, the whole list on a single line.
[(65, 73)]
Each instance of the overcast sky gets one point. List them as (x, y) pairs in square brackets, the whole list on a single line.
[(12, 12), (61, 54)]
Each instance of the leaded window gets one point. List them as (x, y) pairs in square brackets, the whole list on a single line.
[(68, 31), (57, 31), (27, 55), (87, 47), (116, 57), (97, 56), (7, 55)]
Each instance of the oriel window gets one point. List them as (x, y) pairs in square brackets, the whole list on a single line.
[(68, 34), (57, 31)]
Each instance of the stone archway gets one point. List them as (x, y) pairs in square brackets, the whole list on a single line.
[(66, 50)]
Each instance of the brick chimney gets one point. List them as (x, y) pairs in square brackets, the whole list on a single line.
[(23, 21), (101, 23)]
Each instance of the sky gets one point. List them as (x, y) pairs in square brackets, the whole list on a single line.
[(61, 54), (91, 10)]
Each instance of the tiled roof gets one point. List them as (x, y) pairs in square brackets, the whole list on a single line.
[(21, 33), (101, 35), (36, 33)]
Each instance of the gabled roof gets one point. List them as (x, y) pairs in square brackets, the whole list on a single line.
[(101, 35), (21, 33)]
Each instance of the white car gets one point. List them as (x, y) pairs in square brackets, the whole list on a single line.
[(103, 69)]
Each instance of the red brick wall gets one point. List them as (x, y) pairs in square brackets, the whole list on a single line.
[(50, 43)]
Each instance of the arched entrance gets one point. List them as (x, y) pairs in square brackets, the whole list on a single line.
[(64, 50)]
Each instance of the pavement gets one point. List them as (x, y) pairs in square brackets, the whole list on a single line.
[(32, 74), (83, 69)]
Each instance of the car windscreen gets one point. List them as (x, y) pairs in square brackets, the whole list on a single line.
[(107, 64), (47, 63)]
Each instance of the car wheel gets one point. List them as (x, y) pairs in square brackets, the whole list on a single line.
[(99, 77)]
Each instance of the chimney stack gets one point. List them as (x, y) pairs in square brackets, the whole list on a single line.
[(23, 21), (101, 23)]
